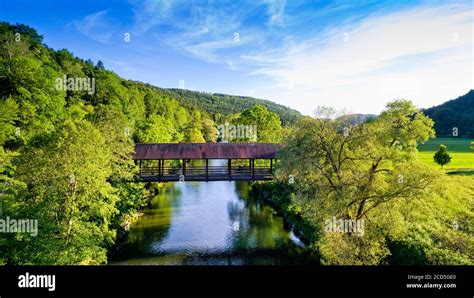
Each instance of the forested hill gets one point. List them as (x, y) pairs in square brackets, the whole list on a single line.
[(67, 133), (215, 103), (457, 113)]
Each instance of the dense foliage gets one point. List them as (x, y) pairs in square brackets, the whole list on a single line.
[(369, 174), (65, 160), (267, 124), (222, 104), (457, 113), (66, 153)]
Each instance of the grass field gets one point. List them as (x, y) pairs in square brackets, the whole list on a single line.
[(462, 157)]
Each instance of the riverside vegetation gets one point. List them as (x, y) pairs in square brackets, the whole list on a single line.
[(65, 160), (65, 155), (413, 212)]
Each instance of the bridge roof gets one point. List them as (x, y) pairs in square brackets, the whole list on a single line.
[(206, 151)]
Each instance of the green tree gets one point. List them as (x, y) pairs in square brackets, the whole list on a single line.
[(65, 155), (193, 135), (8, 116), (28, 75), (267, 124), (158, 129), (117, 132), (100, 65), (355, 172), (65, 188), (442, 157), (210, 130)]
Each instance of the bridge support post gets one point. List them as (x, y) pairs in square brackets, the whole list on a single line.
[(162, 168), (229, 168), (184, 167), (253, 169), (271, 165), (159, 169), (207, 169)]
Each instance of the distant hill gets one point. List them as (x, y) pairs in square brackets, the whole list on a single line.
[(215, 103), (457, 113)]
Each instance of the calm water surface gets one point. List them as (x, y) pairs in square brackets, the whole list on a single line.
[(215, 223)]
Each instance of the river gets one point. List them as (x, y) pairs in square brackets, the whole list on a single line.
[(214, 223)]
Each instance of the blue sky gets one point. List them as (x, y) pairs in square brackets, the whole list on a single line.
[(353, 55)]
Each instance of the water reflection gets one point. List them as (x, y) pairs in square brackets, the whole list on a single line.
[(209, 223)]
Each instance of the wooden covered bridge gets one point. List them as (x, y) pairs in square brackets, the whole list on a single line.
[(197, 161)]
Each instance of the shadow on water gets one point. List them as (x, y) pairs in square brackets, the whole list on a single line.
[(212, 223)]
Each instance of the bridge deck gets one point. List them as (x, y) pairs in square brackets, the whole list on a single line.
[(214, 173)]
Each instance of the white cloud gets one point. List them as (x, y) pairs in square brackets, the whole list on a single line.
[(150, 13), (423, 54), (205, 30), (276, 10), (94, 26)]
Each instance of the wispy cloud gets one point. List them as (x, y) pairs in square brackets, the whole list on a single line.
[(276, 10), (423, 54), (357, 56), (151, 13), (214, 33), (95, 26)]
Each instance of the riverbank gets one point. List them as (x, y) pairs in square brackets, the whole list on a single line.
[(132, 217), (278, 196)]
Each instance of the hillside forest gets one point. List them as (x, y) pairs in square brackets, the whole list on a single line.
[(66, 160)]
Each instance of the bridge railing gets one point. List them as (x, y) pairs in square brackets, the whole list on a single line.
[(207, 173)]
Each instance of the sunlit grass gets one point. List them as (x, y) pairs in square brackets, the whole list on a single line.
[(458, 160), (462, 156)]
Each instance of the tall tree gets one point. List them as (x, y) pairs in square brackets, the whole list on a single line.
[(209, 130), (350, 171), (66, 190), (267, 124)]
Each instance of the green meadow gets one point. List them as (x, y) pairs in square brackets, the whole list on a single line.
[(462, 156)]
